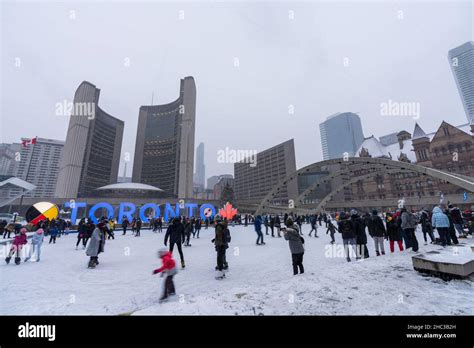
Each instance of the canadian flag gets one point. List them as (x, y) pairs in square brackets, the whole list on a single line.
[(25, 142)]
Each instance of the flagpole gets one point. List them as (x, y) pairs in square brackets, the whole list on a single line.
[(27, 173)]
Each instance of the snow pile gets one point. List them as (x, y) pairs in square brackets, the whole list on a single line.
[(260, 280)]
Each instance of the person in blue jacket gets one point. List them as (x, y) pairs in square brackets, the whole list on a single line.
[(440, 221), (258, 228)]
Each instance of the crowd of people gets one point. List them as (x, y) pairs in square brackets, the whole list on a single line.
[(397, 227)]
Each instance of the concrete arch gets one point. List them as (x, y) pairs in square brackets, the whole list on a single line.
[(368, 162)]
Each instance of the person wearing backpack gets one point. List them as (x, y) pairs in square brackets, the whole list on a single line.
[(377, 232), (347, 229), (295, 242), (221, 241), (408, 225)]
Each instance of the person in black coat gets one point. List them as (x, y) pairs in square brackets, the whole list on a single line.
[(393, 232), (426, 227), (361, 237), (175, 234), (377, 232), (347, 229)]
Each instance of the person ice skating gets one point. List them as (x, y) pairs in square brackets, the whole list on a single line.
[(96, 244), (3, 230), (393, 233), (313, 221), (258, 228), (299, 222), (221, 242), (53, 230), (138, 227), (125, 224), (377, 232), (332, 230), (36, 243), (175, 233), (272, 225), (18, 241), (110, 229), (451, 236), (90, 229), (295, 242), (188, 229), (426, 226), (440, 221), (159, 225), (456, 216), (346, 228), (278, 225), (361, 238), (169, 269), (81, 233), (266, 223), (408, 224), (197, 226)]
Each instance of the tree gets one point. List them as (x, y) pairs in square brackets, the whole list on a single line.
[(227, 194)]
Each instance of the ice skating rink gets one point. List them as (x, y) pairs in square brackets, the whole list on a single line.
[(259, 281)]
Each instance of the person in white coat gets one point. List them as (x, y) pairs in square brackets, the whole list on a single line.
[(36, 243)]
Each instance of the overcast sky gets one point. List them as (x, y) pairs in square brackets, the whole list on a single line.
[(319, 57)]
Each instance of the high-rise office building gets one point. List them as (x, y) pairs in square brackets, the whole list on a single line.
[(200, 175), (93, 145), (164, 149), (341, 133), (461, 60), (39, 165), (7, 158), (254, 179), (211, 181)]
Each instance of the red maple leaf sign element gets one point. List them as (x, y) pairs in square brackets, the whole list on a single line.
[(227, 212)]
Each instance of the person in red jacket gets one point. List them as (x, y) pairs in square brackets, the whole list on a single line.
[(18, 242), (169, 268)]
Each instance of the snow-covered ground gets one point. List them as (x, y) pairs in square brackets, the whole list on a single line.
[(260, 280)]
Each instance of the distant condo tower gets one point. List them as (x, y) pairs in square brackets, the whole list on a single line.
[(200, 175), (461, 60), (91, 154), (340, 133), (164, 149)]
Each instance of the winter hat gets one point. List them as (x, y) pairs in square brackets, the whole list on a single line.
[(354, 212), (289, 222), (39, 231), (375, 212), (342, 215), (23, 230), (162, 252)]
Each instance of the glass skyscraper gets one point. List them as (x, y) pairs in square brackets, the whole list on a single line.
[(461, 60), (341, 133)]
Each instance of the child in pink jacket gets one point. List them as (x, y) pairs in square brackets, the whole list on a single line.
[(18, 242)]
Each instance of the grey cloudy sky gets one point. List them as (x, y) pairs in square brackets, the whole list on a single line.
[(283, 61)]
